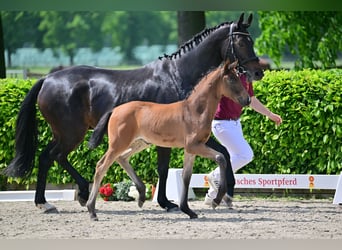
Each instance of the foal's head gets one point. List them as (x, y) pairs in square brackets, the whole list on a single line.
[(232, 86)]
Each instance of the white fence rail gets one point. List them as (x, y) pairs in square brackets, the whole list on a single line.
[(255, 181)]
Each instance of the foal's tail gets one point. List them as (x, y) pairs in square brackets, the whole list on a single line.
[(26, 136), (99, 131)]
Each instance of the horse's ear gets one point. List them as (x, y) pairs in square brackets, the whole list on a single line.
[(249, 21), (240, 20)]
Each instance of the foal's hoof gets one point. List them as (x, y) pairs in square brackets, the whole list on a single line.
[(94, 218), (228, 200), (214, 205), (47, 208)]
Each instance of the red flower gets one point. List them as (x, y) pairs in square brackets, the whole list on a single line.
[(102, 190), (108, 191)]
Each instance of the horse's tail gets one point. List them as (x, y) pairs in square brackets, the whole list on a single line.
[(99, 131), (26, 136)]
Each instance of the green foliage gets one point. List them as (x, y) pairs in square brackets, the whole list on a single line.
[(71, 30), (308, 142), (216, 17), (12, 93), (20, 29), (122, 190), (313, 37), (133, 28), (310, 138)]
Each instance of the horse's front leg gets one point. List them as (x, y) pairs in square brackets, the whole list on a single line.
[(164, 155), (187, 173)]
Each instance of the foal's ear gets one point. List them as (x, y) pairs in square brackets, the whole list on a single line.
[(233, 65), (226, 67)]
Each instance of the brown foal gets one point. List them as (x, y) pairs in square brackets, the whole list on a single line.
[(184, 124)]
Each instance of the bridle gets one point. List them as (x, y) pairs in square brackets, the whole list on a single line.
[(240, 66)]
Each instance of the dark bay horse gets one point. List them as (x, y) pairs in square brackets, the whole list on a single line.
[(74, 99), (183, 124)]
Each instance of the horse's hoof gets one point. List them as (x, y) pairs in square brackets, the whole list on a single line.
[(47, 208), (82, 201), (193, 216), (140, 203), (172, 209)]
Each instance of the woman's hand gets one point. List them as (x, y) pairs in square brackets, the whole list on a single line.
[(276, 118)]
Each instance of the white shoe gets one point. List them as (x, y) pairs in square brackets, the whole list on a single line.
[(207, 200), (213, 183), (226, 201)]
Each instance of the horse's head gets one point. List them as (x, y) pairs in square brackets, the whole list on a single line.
[(240, 47), (232, 86)]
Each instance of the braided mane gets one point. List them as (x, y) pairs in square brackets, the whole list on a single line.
[(194, 41)]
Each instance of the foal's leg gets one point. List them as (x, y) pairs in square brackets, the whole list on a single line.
[(229, 174), (137, 181), (207, 152), (101, 169), (187, 172), (164, 155)]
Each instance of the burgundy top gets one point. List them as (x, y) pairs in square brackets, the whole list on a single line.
[(227, 109)]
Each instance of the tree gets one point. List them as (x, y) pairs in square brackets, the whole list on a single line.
[(214, 18), (2, 52), (311, 36), (128, 29), (20, 30), (71, 30), (189, 24)]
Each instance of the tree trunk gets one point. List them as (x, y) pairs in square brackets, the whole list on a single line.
[(189, 24), (2, 52)]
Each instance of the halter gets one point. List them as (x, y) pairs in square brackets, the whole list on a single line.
[(240, 67)]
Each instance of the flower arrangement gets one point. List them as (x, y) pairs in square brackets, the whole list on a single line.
[(106, 192), (123, 191)]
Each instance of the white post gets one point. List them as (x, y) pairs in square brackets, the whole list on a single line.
[(338, 192), (174, 186)]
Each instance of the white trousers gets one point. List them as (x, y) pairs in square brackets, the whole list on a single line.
[(229, 134)]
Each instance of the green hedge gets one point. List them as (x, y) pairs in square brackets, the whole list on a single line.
[(308, 142), (310, 139)]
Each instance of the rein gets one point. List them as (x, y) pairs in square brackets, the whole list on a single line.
[(240, 67)]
